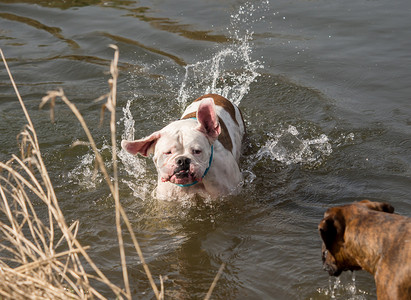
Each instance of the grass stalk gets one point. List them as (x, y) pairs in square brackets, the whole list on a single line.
[(213, 285), (113, 185), (40, 245)]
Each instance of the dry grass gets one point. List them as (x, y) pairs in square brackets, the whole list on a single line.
[(41, 257)]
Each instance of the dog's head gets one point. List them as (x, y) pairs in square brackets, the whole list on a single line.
[(182, 149), (332, 229)]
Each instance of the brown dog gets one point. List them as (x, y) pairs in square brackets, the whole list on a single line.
[(367, 235)]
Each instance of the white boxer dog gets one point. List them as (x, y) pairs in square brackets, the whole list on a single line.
[(198, 154)]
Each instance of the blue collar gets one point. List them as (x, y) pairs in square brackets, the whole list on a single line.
[(205, 172)]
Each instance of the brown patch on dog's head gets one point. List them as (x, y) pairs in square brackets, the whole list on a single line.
[(224, 137), (223, 102)]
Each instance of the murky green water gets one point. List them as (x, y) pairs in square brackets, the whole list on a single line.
[(325, 92)]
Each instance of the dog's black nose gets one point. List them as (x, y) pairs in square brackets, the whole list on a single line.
[(183, 162)]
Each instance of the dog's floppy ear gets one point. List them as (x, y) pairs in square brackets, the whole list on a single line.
[(378, 206), (144, 146), (208, 119), (332, 228)]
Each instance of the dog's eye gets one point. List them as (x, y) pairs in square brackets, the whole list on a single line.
[(196, 152), (167, 153)]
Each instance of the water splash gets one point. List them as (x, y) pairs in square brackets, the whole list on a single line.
[(128, 122), (84, 174), (289, 147), (231, 71), (339, 290), (248, 15), (219, 76), (134, 166), (352, 288)]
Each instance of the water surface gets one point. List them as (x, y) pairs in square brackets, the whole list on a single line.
[(324, 89)]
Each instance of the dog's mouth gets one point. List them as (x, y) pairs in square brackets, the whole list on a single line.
[(182, 174), (181, 177)]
